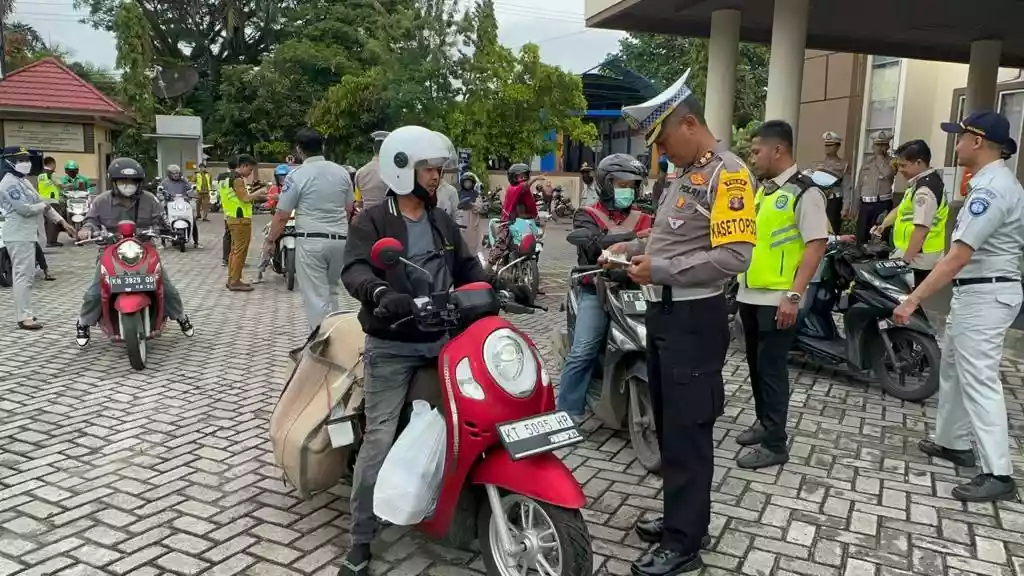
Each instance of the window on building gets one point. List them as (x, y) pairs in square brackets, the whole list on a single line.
[(1011, 105), (961, 107), (883, 101)]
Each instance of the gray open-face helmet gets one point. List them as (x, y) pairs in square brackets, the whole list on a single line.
[(618, 167)]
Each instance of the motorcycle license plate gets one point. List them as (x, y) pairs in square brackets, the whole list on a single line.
[(538, 434), (132, 283), (633, 302)]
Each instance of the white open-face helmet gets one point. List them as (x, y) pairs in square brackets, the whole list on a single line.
[(409, 148)]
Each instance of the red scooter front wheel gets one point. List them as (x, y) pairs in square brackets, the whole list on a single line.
[(548, 539)]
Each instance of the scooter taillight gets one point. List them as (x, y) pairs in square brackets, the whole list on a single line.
[(528, 244)]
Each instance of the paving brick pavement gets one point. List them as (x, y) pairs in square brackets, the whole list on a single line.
[(106, 470)]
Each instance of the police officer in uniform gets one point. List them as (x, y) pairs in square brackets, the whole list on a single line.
[(370, 189), (982, 264), (321, 194), (703, 234), (919, 222), (23, 206), (874, 187), (838, 193)]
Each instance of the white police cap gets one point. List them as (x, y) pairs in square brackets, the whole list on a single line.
[(647, 117)]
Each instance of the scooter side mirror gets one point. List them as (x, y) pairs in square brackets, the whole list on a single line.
[(386, 253), (580, 237)]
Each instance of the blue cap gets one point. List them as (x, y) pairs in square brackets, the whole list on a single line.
[(11, 151), (282, 170), (990, 125)]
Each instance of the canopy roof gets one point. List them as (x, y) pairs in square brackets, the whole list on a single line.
[(921, 29)]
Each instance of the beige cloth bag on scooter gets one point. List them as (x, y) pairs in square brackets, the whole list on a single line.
[(325, 372)]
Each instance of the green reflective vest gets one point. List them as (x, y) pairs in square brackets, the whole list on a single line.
[(780, 247), (48, 189), (935, 241), (233, 207)]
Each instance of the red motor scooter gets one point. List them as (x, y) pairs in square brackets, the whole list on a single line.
[(502, 484), (131, 288)]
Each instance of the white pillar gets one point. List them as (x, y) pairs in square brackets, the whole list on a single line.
[(786, 64), (723, 52), (982, 75)]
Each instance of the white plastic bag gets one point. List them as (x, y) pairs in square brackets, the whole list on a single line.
[(410, 477)]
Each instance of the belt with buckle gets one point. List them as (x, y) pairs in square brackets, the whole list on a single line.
[(321, 235), (873, 199), (973, 281)]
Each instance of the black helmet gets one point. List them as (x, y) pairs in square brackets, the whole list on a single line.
[(622, 167), (125, 169), (518, 173)]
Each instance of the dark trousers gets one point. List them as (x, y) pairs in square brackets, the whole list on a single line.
[(54, 229), (767, 359), (920, 275), (686, 345), (226, 244), (867, 218), (834, 213), (41, 258)]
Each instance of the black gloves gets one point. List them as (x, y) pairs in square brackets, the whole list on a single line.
[(522, 294), (393, 304)]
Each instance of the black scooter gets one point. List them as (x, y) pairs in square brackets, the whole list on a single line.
[(865, 286), (618, 392)]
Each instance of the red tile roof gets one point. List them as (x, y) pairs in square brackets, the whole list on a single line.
[(49, 85)]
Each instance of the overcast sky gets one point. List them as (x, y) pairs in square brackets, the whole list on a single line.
[(559, 32)]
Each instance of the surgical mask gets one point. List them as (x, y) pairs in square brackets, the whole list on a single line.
[(624, 198), (23, 168), (127, 188)]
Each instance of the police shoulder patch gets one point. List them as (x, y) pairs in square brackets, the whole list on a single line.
[(978, 206), (920, 201), (781, 201), (14, 195)]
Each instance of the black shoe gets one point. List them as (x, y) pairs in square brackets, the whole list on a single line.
[(54, 244), (986, 488), (761, 457), (751, 436), (665, 562), (650, 531), (81, 335), (357, 561), (962, 458), (186, 327)]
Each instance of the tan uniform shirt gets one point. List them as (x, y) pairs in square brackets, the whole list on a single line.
[(369, 183), (703, 232), (811, 222), (841, 168), (925, 207), (875, 180)]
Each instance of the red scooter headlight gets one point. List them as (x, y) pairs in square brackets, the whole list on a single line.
[(511, 362), (130, 252)]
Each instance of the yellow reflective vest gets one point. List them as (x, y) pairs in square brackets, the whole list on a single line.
[(780, 247), (935, 241)]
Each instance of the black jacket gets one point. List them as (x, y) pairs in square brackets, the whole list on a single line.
[(361, 278)]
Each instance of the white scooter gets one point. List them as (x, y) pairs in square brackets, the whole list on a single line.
[(181, 216), (77, 203)]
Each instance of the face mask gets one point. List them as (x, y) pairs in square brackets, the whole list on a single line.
[(23, 168), (624, 198), (127, 188)]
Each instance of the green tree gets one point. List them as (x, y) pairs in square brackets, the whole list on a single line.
[(663, 58), (511, 102), (135, 60), (408, 78)]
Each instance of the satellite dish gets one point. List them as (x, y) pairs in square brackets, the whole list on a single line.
[(174, 82)]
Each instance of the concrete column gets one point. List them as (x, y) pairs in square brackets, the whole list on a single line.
[(786, 65), (723, 53), (982, 75)]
